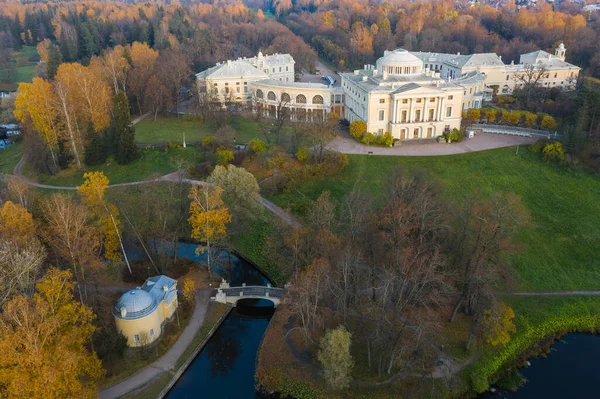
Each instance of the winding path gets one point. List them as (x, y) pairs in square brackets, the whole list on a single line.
[(175, 177)]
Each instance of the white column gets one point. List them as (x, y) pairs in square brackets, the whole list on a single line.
[(410, 111), (442, 110), (394, 103), (437, 108), (425, 109)]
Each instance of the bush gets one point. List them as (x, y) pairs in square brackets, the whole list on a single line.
[(369, 139), (225, 156), (554, 152), (548, 122), (473, 114), (173, 146), (490, 114), (385, 139), (358, 129), (209, 143), (302, 154), (529, 119), (511, 118), (257, 146), (455, 136)]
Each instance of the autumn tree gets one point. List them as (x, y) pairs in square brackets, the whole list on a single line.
[(334, 355), (67, 103), (322, 211), (322, 132), (189, 290), (208, 217), (174, 70), (20, 266), (72, 237), (16, 223), (497, 324), (106, 214), (35, 103), (45, 343)]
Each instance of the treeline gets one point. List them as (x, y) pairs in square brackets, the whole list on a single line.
[(204, 33), (353, 33)]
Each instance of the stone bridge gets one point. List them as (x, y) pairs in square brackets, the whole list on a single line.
[(231, 295)]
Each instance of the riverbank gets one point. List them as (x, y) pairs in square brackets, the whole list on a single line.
[(188, 356), (216, 313)]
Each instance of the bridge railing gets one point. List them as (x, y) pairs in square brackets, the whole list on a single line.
[(516, 131)]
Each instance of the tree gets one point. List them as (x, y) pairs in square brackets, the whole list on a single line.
[(72, 238), (54, 60), (529, 78), (529, 119), (240, 189), (35, 103), (124, 131), (334, 355), (497, 324), (548, 122), (107, 215), (20, 266), (44, 343), (189, 290), (474, 114), (66, 101), (323, 132), (358, 129), (16, 224), (322, 211), (174, 70), (208, 217)]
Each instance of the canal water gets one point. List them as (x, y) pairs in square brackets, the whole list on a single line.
[(224, 369), (570, 370)]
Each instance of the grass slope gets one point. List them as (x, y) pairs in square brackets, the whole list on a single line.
[(150, 163), (164, 130), (559, 248), (9, 158)]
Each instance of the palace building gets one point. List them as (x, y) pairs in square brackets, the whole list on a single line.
[(412, 95)]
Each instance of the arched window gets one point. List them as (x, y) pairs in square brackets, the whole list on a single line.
[(285, 98), (271, 96), (259, 93), (317, 100), (301, 99)]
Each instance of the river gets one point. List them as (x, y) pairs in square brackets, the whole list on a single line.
[(569, 371), (224, 368)]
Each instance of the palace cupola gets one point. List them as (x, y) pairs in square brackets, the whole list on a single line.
[(399, 62)]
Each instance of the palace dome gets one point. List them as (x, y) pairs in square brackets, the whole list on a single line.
[(134, 304), (399, 62)]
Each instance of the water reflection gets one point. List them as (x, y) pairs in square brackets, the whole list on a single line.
[(569, 371), (225, 367)]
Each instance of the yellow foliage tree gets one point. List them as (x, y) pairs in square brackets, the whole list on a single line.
[(498, 324), (208, 217), (44, 343), (107, 215), (35, 103), (16, 223), (189, 289)]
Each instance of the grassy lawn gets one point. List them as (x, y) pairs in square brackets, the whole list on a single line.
[(560, 247), (164, 130), (151, 163), (25, 64), (9, 158)]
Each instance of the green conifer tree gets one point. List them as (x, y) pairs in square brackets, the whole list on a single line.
[(124, 132)]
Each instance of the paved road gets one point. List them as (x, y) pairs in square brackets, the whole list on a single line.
[(483, 141), (167, 362)]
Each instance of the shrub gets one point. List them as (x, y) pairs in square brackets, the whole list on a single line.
[(368, 139), (358, 129), (385, 139), (225, 156), (554, 152), (257, 146), (455, 136), (548, 122), (474, 114), (173, 146), (529, 118), (302, 154), (201, 170), (209, 142), (189, 290), (490, 114), (536, 147), (511, 117)]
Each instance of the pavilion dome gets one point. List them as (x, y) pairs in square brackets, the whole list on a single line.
[(399, 62), (134, 304)]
